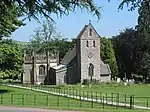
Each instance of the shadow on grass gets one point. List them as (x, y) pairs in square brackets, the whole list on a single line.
[(4, 91)]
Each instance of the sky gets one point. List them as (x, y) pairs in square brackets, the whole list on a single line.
[(112, 22)]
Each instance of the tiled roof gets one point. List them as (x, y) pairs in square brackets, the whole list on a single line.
[(69, 56), (104, 69)]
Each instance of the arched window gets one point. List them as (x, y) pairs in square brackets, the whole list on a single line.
[(93, 43), (41, 70), (90, 32), (87, 43), (91, 69)]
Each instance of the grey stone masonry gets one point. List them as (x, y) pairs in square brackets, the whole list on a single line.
[(88, 52)]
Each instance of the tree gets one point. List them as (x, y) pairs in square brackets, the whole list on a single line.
[(108, 55), (128, 50), (9, 21), (34, 44), (145, 66), (144, 15), (11, 60), (36, 8), (11, 10), (144, 21)]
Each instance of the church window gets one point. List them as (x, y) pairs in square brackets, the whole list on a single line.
[(90, 32), (91, 69), (41, 70), (87, 43), (93, 43)]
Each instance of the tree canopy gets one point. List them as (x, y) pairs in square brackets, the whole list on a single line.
[(9, 21), (132, 53), (11, 60), (36, 8), (108, 55)]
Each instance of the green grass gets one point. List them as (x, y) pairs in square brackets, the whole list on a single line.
[(28, 98), (140, 92)]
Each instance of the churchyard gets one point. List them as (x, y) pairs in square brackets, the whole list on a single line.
[(106, 97)]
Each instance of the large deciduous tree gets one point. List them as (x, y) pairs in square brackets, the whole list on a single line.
[(129, 50), (36, 8), (9, 21), (144, 15), (11, 10), (11, 60), (47, 38)]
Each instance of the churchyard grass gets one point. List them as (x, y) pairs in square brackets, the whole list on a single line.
[(27, 98), (112, 92)]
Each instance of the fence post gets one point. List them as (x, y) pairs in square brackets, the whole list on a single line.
[(80, 99), (112, 98), (76, 93), (101, 97), (103, 102), (106, 97), (34, 99), (83, 94), (92, 100), (58, 99), (147, 102), (96, 96), (68, 102), (117, 100), (47, 100), (64, 91), (125, 99), (22, 99), (73, 92), (131, 102), (12, 98)]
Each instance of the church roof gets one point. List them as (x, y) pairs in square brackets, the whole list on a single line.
[(86, 26), (104, 69), (81, 32), (58, 67), (69, 56)]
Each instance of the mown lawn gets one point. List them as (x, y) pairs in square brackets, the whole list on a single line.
[(113, 92), (28, 98)]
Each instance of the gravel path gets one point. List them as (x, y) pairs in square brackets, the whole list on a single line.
[(20, 109)]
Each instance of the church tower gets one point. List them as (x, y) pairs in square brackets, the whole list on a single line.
[(88, 53)]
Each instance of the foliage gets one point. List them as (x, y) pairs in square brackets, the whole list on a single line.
[(145, 65), (9, 21), (11, 10), (36, 8), (144, 15), (44, 35), (11, 60), (133, 4), (132, 53), (108, 55), (47, 38)]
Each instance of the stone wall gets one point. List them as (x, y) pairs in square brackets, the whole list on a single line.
[(89, 54), (61, 77)]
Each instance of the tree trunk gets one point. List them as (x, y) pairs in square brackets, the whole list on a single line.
[(47, 62)]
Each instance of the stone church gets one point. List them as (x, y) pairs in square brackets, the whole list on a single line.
[(81, 63)]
